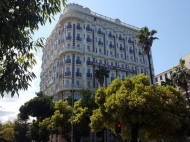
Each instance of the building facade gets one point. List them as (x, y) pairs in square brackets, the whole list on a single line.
[(81, 42)]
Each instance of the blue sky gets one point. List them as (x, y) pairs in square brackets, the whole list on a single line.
[(171, 19)]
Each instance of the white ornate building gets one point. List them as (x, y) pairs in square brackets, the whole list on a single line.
[(83, 40)]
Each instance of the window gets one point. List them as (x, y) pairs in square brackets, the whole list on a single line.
[(78, 35), (77, 96), (68, 57), (77, 82), (68, 45), (112, 74), (57, 75), (78, 45), (121, 55), (88, 47), (88, 70), (123, 77), (122, 66), (69, 34), (160, 77), (88, 58), (132, 68), (166, 75), (131, 58), (100, 50), (67, 82), (111, 53), (170, 72), (57, 64), (78, 58), (112, 64), (58, 41), (100, 61), (78, 69), (156, 79), (68, 69)]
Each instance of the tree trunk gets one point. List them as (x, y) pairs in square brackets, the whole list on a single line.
[(149, 64), (134, 133), (187, 96)]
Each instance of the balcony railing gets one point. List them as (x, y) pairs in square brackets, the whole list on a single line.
[(88, 39), (78, 74), (100, 43), (68, 61), (68, 73), (88, 29), (89, 75), (68, 38), (78, 62), (78, 38), (79, 28), (69, 26)]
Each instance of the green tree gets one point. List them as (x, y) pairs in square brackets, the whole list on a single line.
[(60, 121), (145, 39), (36, 106), (18, 21), (40, 107), (7, 131), (148, 112), (21, 128), (100, 73), (181, 77), (82, 111)]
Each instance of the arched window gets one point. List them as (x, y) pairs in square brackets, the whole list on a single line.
[(132, 68), (69, 25)]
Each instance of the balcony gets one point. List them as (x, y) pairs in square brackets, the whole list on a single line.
[(78, 62), (131, 51), (67, 74), (88, 29), (68, 37), (69, 26), (68, 61), (110, 35), (100, 43), (78, 38), (89, 75), (79, 28), (111, 45), (88, 39), (100, 32), (78, 74)]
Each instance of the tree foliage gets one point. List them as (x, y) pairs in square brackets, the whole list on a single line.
[(100, 73), (19, 19), (7, 131), (181, 77), (145, 39), (39, 107), (149, 112)]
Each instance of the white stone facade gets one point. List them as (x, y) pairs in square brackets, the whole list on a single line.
[(80, 42)]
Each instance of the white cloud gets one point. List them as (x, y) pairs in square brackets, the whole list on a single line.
[(10, 105)]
